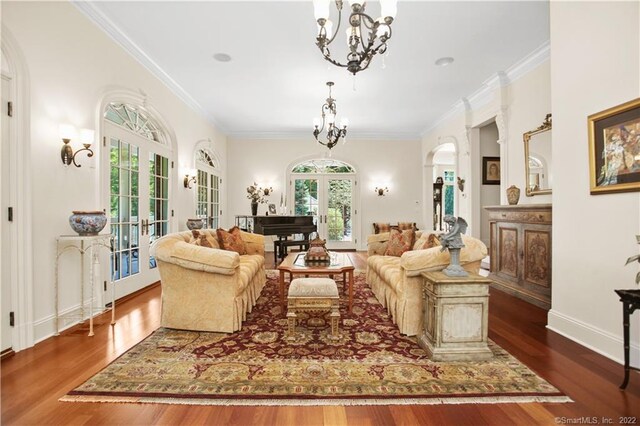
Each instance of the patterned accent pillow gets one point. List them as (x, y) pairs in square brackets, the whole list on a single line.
[(204, 239), (380, 227), (432, 241), (407, 225), (231, 240), (200, 239), (399, 242)]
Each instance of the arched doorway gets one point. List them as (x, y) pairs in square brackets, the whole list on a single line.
[(208, 193), (442, 166), (325, 189), (138, 162)]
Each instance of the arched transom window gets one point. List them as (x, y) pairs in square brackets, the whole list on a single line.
[(324, 165), (134, 119)]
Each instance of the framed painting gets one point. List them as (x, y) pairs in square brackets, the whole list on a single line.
[(491, 170), (272, 209), (614, 149)]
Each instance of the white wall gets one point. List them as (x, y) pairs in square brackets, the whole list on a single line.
[(71, 65), (518, 101), (394, 164), (596, 65), (529, 103), (489, 194)]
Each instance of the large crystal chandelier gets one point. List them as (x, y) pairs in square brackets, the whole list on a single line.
[(361, 50), (334, 133)]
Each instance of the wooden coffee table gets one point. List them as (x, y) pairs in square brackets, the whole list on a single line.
[(294, 264)]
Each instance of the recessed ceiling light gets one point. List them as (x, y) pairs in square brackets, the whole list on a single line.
[(443, 62), (222, 57)]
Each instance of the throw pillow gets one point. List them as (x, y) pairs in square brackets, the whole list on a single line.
[(406, 225), (432, 241), (231, 240), (200, 239), (399, 242), (380, 227)]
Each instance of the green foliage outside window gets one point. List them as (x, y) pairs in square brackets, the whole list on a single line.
[(336, 225), (448, 199)]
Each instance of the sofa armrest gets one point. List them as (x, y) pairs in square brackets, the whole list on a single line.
[(417, 261), (253, 242), (377, 243), (198, 258)]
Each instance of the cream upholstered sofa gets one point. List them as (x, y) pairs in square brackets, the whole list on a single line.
[(397, 281), (208, 289)]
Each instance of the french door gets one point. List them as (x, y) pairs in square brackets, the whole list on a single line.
[(330, 200), (139, 206)]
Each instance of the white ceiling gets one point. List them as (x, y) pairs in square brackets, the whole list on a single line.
[(275, 83)]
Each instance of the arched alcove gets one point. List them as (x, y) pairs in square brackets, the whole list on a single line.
[(441, 161)]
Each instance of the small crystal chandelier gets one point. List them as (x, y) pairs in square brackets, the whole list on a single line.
[(329, 119), (378, 31)]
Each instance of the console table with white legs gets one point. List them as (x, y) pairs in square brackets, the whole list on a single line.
[(83, 245)]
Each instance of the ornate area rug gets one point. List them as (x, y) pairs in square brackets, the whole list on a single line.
[(370, 363)]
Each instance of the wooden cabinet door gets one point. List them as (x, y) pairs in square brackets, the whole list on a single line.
[(507, 250), (536, 274)]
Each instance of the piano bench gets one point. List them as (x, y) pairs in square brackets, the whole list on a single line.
[(280, 248)]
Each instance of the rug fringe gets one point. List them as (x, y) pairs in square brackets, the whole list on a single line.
[(320, 402)]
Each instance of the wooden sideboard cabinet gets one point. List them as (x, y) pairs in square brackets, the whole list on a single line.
[(520, 251)]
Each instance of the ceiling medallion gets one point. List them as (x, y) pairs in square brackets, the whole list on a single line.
[(334, 133), (361, 51)]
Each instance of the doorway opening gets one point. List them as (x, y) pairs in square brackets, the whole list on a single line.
[(139, 163), (444, 172), (325, 189)]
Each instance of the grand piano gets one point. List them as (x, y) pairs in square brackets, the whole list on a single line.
[(281, 226)]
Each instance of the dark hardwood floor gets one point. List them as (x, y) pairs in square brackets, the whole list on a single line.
[(34, 379)]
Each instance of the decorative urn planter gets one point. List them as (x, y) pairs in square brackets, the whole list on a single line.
[(195, 224), (87, 223), (513, 195)]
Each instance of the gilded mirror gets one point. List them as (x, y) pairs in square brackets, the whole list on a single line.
[(537, 159)]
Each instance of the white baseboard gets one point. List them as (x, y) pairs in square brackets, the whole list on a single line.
[(45, 328), (598, 340)]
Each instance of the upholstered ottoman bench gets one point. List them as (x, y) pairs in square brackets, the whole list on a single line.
[(312, 294)]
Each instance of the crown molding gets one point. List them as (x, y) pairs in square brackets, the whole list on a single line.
[(457, 108), (115, 33), (529, 62), (485, 93)]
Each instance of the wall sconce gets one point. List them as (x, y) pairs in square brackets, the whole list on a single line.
[(381, 191), (188, 180), (461, 184), (68, 132), (267, 191)]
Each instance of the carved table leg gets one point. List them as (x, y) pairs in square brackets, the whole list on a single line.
[(291, 322), (335, 319)]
